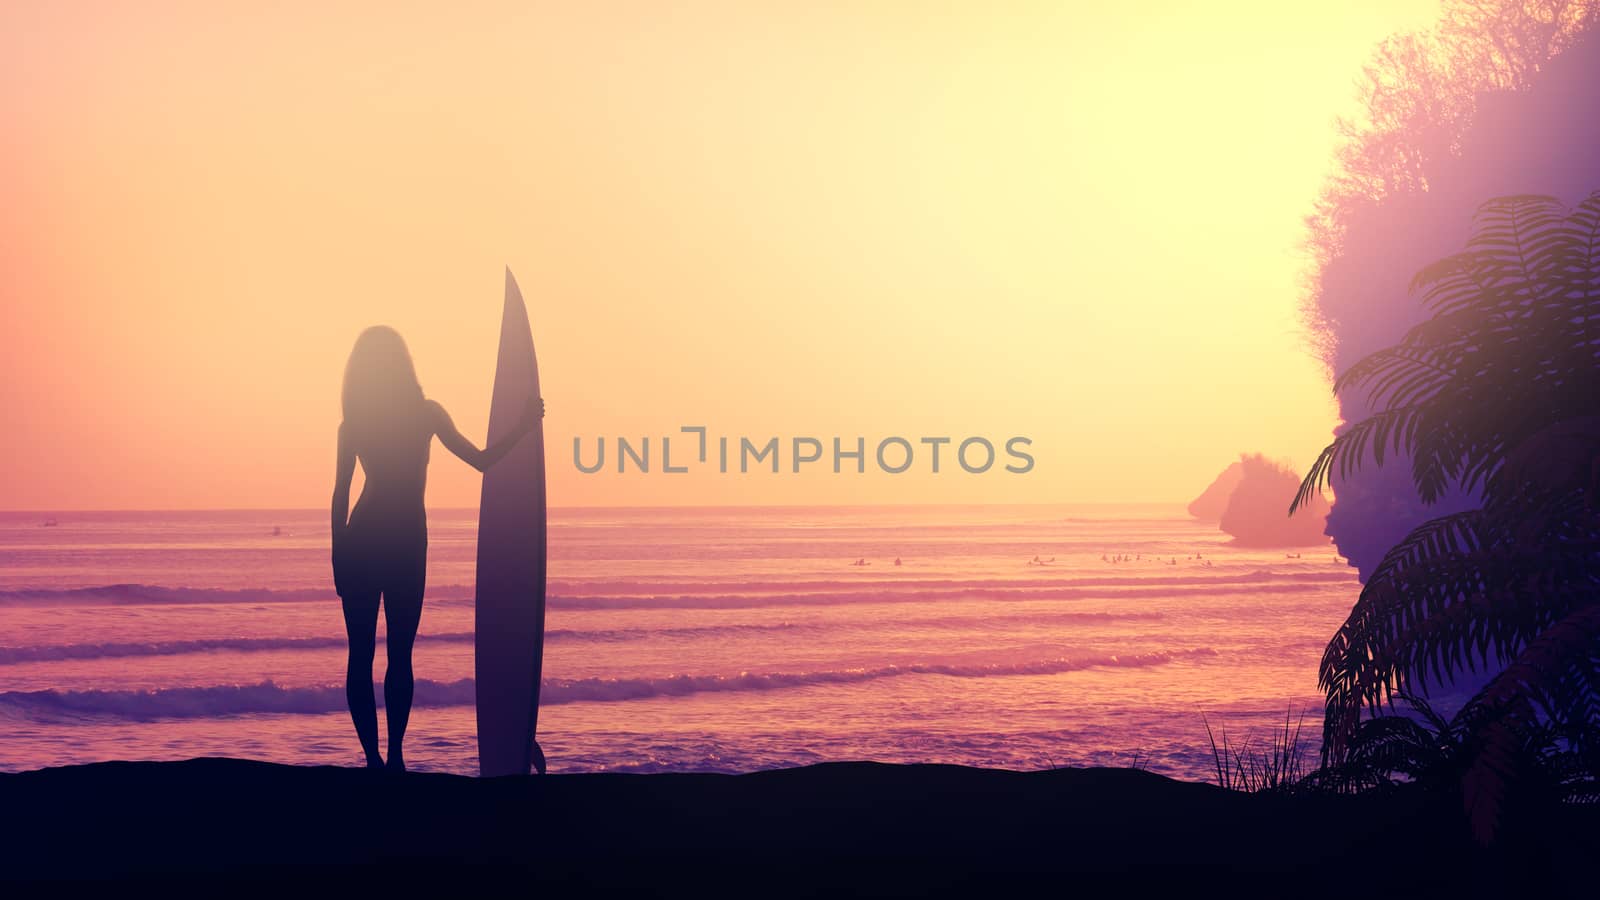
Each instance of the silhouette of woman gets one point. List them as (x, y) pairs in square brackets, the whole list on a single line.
[(380, 552)]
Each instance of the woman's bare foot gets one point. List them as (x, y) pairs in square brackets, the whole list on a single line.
[(374, 761), (396, 763)]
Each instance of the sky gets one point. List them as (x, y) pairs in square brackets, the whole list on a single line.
[(1078, 223)]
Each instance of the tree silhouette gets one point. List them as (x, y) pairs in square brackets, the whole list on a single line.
[(1479, 104), (1495, 394), (1418, 95)]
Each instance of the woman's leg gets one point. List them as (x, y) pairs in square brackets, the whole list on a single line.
[(402, 612), (361, 626)]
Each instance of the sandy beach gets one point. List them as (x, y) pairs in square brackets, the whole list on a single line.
[(841, 828)]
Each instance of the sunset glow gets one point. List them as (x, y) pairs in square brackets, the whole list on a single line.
[(1071, 223), (851, 449)]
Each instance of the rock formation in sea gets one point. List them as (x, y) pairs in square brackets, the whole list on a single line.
[(1250, 501), (1213, 501)]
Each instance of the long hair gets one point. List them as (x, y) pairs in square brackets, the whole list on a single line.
[(380, 382)]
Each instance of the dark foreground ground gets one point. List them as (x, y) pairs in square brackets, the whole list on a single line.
[(849, 828)]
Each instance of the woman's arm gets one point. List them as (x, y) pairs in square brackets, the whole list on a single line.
[(471, 455), (344, 471)]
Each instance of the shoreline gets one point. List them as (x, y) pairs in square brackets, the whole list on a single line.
[(855, 827)]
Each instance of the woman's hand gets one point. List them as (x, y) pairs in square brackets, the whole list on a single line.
[(531, 413)]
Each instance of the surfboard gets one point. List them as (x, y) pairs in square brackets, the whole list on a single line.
[(509, 609)]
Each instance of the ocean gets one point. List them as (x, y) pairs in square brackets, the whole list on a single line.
[(706, 639)]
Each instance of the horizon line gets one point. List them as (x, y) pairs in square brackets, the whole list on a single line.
[(618, 506)]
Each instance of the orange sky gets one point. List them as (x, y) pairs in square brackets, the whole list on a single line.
[(1075, 224)]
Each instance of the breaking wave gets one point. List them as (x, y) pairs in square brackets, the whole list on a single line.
[(717, 595), (267, 697), (152, 595), (125, 649)]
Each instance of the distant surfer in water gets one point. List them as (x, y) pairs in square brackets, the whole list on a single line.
[(380, 551)]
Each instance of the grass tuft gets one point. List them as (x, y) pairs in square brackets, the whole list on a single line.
[(1278, 766)]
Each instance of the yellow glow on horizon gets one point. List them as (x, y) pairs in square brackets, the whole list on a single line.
[(1078, 225)]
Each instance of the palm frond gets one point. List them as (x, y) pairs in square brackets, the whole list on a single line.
[(1494, 396), (1388, 431)]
